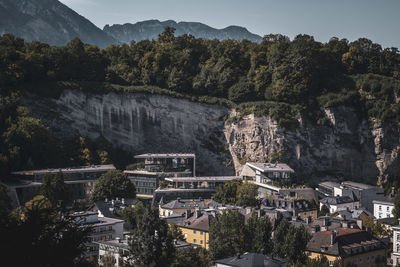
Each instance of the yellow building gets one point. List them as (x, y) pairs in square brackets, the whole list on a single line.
[(195, 228), (346, 246), (308, 213)]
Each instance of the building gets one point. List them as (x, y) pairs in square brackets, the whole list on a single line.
[(153, 168), (195, 228), (340, 203), (364, 192), (267, 173), (326, 189), (80, 181), (250, 260), (347, 247), (112, 208), (383, 206), (92, 172), (206, 182), (119, 249), (396, 245), (180, 206), (298, 207), (103, 229)]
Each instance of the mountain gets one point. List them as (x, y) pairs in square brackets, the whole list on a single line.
[(150, 29), (48, 21)]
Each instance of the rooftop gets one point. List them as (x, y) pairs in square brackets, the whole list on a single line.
[(355, 185), (250, 260), (204, 178), (92, 168), (329, 184), (189, 203), (268, 167), (338, 200), (168, 155)]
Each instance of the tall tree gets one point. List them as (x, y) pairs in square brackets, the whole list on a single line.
[(150, 243), (227, 235), (55, 189), (396, 210), (259, 230), (113, 184), (246, 195)]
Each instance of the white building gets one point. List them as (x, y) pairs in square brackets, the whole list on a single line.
[(340, 203), (117, 248), (396, 246), (103, 229), (383, 208)]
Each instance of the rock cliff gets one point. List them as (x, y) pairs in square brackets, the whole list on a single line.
[(348, 148)]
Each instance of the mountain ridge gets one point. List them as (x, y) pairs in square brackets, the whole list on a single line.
[(48, 21), (150, 29)]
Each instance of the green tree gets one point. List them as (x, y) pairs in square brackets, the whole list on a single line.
[(55, 189), (132, 215), (48, 236), (396, 210), (296, 244), (323, 211), (108, 260), (150, 243), (246, 194), (227, 235), (227, 193), (113, 184), (279, 239), (5, 202), (191, 257), (175, 232), (260, 230)]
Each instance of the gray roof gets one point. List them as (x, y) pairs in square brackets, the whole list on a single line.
[(165, 155), (356, 185), (329, 184), (110, 210), (92, 168), (203, 178), (384, 200), (189, 203), (270, 167), (251, 260), (338, 200)]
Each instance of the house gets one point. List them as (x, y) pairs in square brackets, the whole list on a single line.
[(365, 193), (119, 249), (180, 206), (396, 245), (326, 189), (265, 173), (195, 228), (383, 206), (112, 208), (347, 247), (153, 168), (103, 229), (206, 182), (298, 207), (327, 223), (250, 260), (340, 203)]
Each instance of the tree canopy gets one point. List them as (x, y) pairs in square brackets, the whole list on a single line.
[(237, 192), (111, 185)]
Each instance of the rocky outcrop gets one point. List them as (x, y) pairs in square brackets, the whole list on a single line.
[(140, 123), (345, 148)]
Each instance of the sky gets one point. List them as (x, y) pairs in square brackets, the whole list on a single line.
[(378, 20)]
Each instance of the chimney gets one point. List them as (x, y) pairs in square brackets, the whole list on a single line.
[(123, 201), (106, 200), (118, 239), (392, 194), (333, 237)]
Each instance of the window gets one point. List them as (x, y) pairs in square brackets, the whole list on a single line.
[(201, 242), (387, 209), (109, 237), (185, 235), (380, 208), (398, 247), (398, 236), (330, 263), (194, 241), (109, 228), (194, 231), (201, 232)]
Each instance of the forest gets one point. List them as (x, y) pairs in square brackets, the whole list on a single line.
[(278, 77)]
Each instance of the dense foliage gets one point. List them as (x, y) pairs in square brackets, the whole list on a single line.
[(47, 236), (55, 189), (237, 192), (111, 185), (230, 235)]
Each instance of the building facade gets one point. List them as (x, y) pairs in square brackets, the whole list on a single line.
[(383, 208), (396, 246)]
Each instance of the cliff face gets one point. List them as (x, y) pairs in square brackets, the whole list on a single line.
[(346, 149)]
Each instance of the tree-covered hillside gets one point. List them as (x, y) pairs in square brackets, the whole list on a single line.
[(279, 77)]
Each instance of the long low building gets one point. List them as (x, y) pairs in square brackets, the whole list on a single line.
[(210, 182)]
